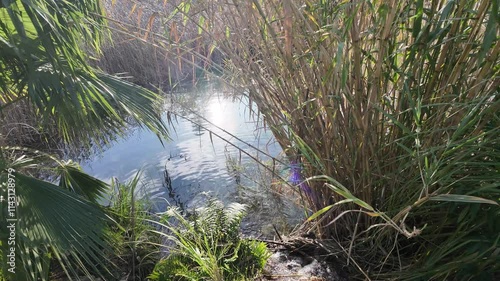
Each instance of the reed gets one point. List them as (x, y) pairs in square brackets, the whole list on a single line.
[(390, 109), (20, 126), (155, 45)]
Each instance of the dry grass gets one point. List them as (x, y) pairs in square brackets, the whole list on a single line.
[(20, 126), (155, 45)]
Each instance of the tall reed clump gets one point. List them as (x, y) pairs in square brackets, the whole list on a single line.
[(391, 110)]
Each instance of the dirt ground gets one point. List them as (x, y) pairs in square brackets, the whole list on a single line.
[(285, 266)]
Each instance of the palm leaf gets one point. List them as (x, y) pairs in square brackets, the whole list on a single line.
[(77, 181), (52, 220), (42, 61)]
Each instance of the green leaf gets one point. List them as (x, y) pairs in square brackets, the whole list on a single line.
[(201, 23), (417, 24), (462, 199), (319, 213), (77, 181), (490, 36), (52, 220)]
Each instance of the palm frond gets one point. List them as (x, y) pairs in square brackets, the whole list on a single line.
[(77, 181), (42, 61), (52, 221)]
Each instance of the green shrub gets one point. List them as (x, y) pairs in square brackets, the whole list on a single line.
[(207, 246)]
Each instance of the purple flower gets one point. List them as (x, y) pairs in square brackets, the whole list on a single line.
[(296, 178)]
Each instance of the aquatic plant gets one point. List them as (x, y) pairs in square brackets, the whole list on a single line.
[(207, 245)]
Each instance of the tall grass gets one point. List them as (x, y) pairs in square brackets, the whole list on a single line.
[(155, 44), (136, 243), (390, 108)]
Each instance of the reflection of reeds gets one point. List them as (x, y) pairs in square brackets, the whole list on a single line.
[(269, 168), (396, 102)]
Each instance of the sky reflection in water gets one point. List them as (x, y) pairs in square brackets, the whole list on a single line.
[(197, 164)]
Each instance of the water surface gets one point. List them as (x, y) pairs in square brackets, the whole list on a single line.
[(196, 164)]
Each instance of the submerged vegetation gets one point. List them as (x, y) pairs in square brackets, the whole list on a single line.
[(388, 111)]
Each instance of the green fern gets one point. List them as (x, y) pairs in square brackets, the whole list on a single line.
[(207, 246)]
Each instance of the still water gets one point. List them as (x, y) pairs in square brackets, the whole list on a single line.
[(196, 164)]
